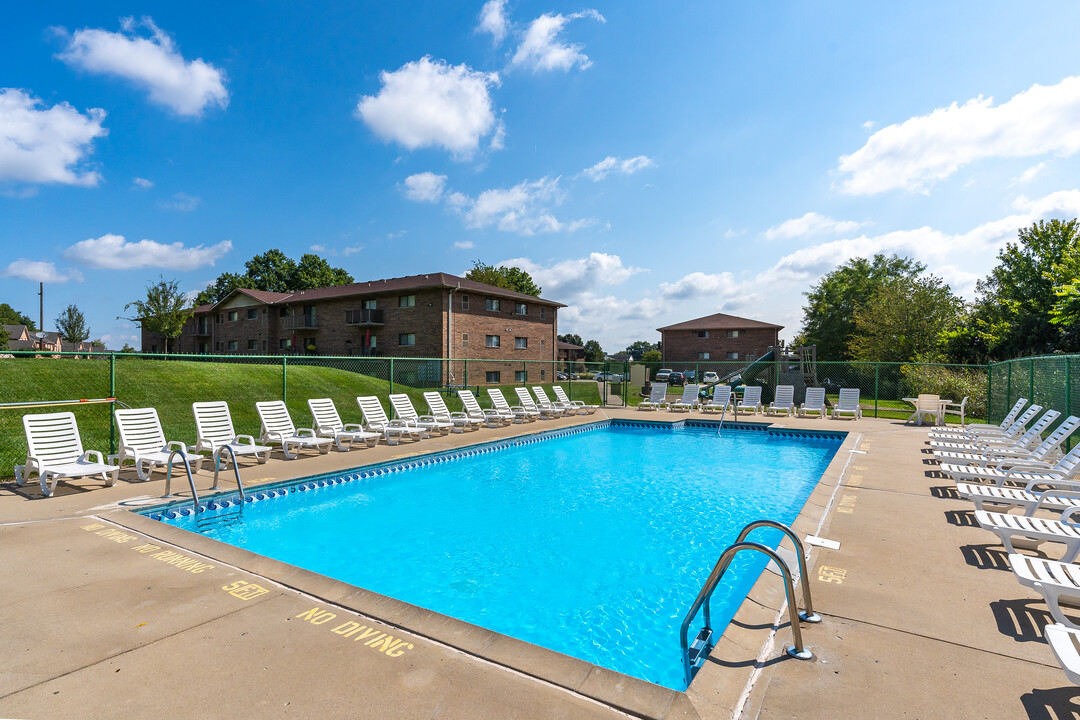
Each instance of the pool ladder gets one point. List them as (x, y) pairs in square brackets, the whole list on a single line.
[(191, 480), (695, 653)]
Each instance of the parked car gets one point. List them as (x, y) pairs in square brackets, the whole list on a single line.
[(662, 374), (689, 376), (710, 377), (675, 378), (607, 377), (560, 375)]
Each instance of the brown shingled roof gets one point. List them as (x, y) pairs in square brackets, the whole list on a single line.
[(720, 321)]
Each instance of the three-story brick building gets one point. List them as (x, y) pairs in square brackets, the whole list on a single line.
[(717, 337)]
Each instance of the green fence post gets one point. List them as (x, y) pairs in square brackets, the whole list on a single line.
[(989, 391), (284, 378), (391, 374), (466, 383), (1068, 387), (112, 405), (1008, 386), (877, 374), (1031, 379)]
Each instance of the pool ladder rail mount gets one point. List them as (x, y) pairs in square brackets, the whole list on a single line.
[(191, 479), (695, 653)]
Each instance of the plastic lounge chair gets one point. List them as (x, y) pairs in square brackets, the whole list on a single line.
[(1006, 527), (517, 413), (278, 427), (492, 417), (375, 420), (1064, 469), (1052, 579), (927, 406), (814, 402), (143, 442), (1009, 419), (404, 410), (528, 403), (1029, 498), (1026, 442), (214, 428), (957, 408), (328, 424), (583, 409), (783, 401), (1065, 642), (1013, 430), (657, 398), (542, 399), (721, 398), (751, 399), (847, 404), (437, 408), (55, 452), (689, 399)]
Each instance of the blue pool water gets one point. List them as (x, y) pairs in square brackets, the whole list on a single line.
[(592, 544)]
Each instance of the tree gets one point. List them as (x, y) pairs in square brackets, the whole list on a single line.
[(593, 352), (273, 271), (904, 320), (71, 324), (636, 350), (11, 316), (314, 272), (164, 311), (4, 337), (127, 348), (652, 356), (226, 282), (572, 339), (509, 278), (829, 315), (276, 272)]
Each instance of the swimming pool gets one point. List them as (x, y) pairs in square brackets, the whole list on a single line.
[(590, 541)]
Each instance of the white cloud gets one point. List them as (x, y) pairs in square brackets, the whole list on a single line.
[(869, 124), (335, 251), (464, 245), (351, 250), (493, 20), (429, 103), (142, 183), (425, 187), (915, 154), (153, 63), (565, 281), (113, 252), (46, 145), (608, 165), (525, 208), (542, 50), (40, 271), (182, 202), (811, 223), (715, 286), (1029, 174)]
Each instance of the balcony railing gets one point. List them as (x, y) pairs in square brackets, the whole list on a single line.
[(300, 322), (364, 317)]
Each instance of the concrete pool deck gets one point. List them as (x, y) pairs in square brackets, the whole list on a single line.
[(108, 613)]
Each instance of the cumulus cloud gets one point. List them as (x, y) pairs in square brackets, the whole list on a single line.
[(335, 251), (915, 154), (701, 285), (1029, 174), (40, 271), (152, 63), (464, 245), (493, 20), (141, 183), (811, 223), (609, 165), (46, 145), (428, 103), (541, 48), (182, 202), (425, 187), (113, 252), (567, 280)]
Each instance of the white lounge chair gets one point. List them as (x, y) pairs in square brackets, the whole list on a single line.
[(1030, 498), (542, 399), (847, 404), (527, 402), (689, 400), (214, 430), (278, 427), (721, 398), (657, 398), (957, 408), (1064, 469), (783, 400), (143, 442), (404, 410), (1065, 642), (1007, 527), (437, 408), (1047, 451), (328, 424), (1014, 430), (55, 452), (583, 408), (375, 420), (517, 413), (814, 402), (491, 417), (1026, 442), (927, 406), (751, 400), (1009, 419), (1052, 579)]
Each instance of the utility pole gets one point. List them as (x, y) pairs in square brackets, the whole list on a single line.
[(41, 311)]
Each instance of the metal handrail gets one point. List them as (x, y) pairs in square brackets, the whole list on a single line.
[(49, 403), (236, 470), (190, 477)]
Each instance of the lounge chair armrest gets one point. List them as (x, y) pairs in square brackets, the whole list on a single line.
[(1068, 514), (459, 414), (93, 454), (1053, 494), (398, 423), (177, 445), (518, 408), (428, 418), (1024, 467), (305, 432), (350, 427)]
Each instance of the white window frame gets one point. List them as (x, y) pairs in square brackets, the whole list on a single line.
[(493, 341), (406, 301), (521, 343), (410, 339), (491, 304)]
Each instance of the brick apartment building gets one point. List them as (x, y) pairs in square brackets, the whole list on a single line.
[(420, 316), (717, 337)]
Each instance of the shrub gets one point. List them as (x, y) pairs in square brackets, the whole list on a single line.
[(948, 382)]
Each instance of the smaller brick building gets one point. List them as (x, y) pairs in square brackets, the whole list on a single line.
[(717, 337)]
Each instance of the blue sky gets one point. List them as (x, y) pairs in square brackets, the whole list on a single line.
[(646, 162)]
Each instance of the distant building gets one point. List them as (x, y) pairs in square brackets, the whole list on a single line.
[(20, 337), (568, 352), (717, 337)]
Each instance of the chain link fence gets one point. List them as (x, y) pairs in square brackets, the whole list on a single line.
[(1051, 381)]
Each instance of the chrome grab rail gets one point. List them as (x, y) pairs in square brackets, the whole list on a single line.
[(236, 470), (191, 479)]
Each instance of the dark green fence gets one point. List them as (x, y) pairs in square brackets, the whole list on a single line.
[(1052, 381)]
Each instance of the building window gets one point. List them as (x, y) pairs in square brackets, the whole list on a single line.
[(219, 346), (465, 340), (234, 345), (519, 376), (733, 333), (369, 305), (492, 341), (521, 309), (703, 333), (153, 348), (284, 343), (406, 301), (733, 356), (543, 375), (703, 356), (521, 343), (492, 376), (464, 302), (373, 341), (218, 319), (283, 312), (253, 314), (406, 339), (253, 344), (234, 315), (491, 304), (543, 313)]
